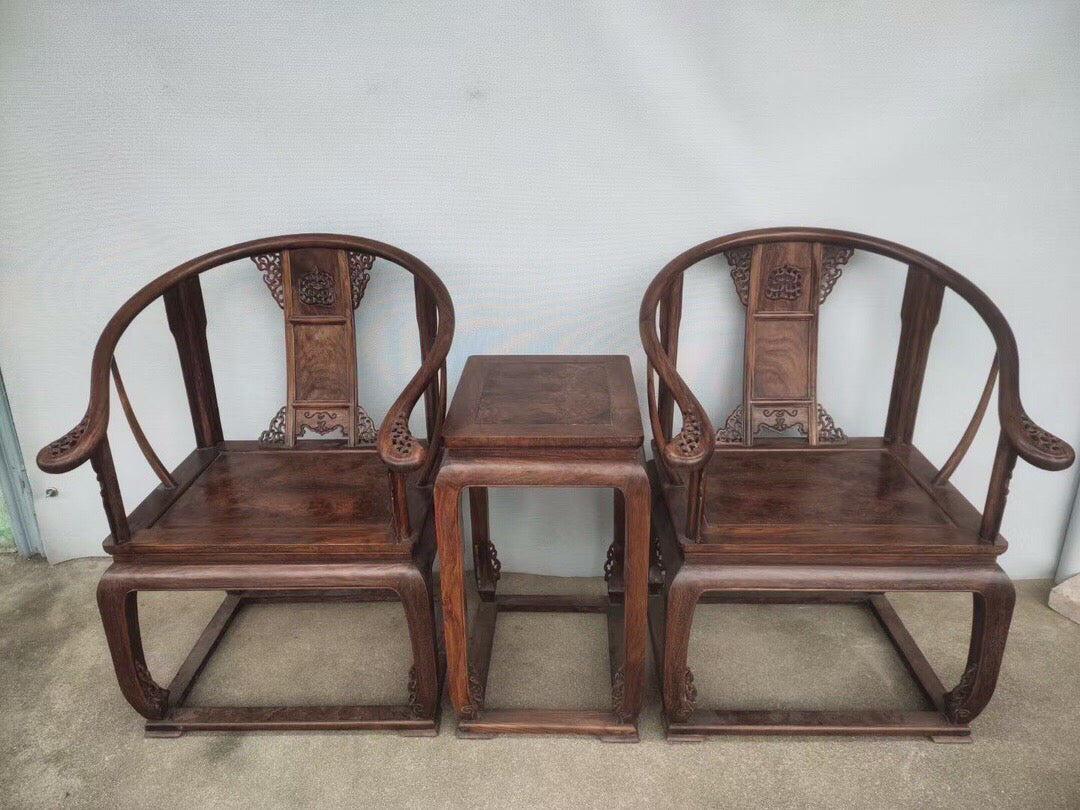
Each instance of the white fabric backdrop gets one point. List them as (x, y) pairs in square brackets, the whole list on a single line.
[(546, 159)]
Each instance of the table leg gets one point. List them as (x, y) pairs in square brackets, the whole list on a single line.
[(452, 581), (637, 502)]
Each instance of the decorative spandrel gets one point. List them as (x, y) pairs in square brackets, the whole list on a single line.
[(739, 260), (733, 431), (359, 274), (833, 259), (269, 264)]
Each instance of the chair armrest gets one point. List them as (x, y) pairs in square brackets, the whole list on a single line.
[(692, 447), (1036, 445), (398, 448), (75, 447)]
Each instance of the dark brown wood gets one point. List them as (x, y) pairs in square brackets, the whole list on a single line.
[(919, 313), (543, 421), (186, 314), (781, 506), (287, 518)]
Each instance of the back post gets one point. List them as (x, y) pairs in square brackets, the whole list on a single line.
[(187, 321), (427, 321), (919, 314), (670, 317)]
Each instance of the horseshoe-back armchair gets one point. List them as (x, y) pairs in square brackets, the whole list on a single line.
[(287, 517), (779, 504)]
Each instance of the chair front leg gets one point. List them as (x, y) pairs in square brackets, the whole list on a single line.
[(413, 588), (679, 692), (119, 607), (992, 608)]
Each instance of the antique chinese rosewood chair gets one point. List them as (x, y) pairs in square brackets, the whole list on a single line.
[(779, 505), (289, 517)]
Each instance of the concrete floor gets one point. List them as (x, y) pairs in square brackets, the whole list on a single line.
[(68, 739)]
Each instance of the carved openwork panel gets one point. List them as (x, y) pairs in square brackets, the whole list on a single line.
[(317, 288), (784, 283)]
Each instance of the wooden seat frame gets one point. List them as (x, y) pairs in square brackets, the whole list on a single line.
[(783, 275), (317, 279)]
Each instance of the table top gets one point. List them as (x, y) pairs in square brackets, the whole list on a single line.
[(516, 401)]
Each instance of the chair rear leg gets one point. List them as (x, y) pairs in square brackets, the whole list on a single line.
[(118, 604), (992, 609), (414, 590)]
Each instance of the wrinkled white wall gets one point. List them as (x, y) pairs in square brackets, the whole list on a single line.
[(546, 159)]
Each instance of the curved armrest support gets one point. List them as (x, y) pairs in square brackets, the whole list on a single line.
[(692, 447), (398, 448)]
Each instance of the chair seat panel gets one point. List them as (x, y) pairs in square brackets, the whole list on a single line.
[(277, 489), (816, 488), (864, 501), (260, 505)]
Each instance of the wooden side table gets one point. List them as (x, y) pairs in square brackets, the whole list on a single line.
[(544, 421)]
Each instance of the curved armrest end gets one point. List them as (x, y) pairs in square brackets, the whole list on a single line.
[(70, 450), (398, 448), (1038, 446), (693, 445)]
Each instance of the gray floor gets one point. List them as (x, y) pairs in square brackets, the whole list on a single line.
[(68, 739)]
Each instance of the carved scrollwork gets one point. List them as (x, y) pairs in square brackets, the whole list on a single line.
[(476, 688), (156, 696), (359, 274), (689, 438), (618, 697), (366, 432), (784, 283), (317, 288), (494, 562), (269, 265), (1044, 440), (69, 439), (827, 431), (739, 261), (401, 439), (658, 555), (612, 561), (779, 417), (733, 430), (833, 259), (685, 698), (415, 707), (275, 432), (955, 698), (321, 422)]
